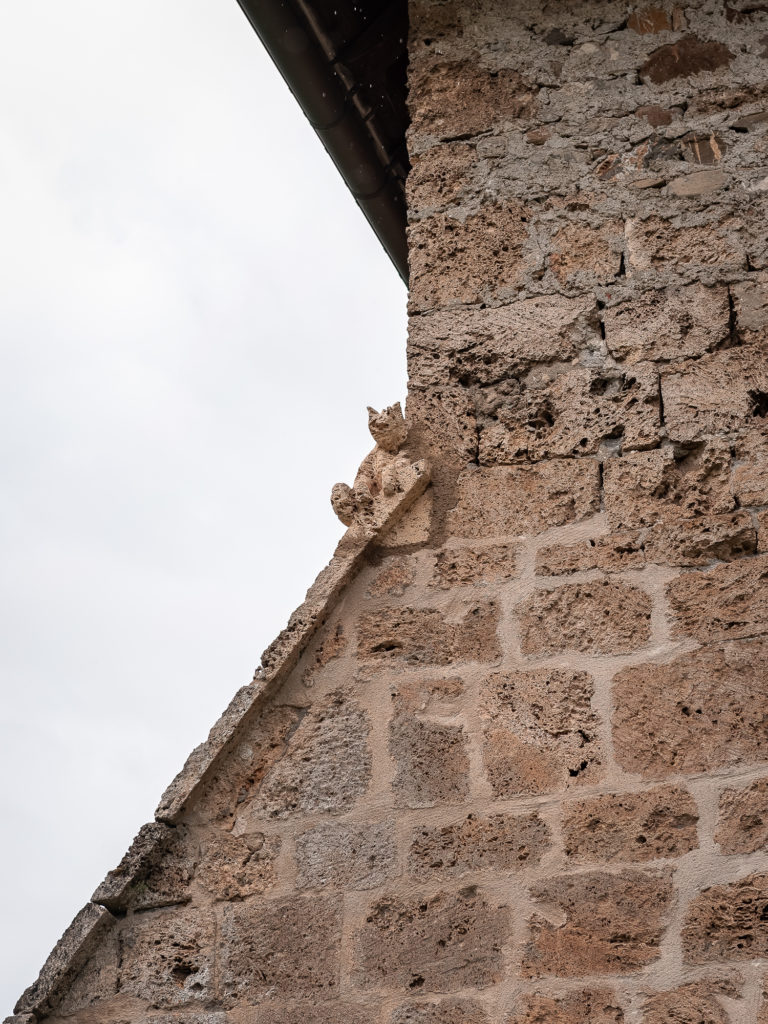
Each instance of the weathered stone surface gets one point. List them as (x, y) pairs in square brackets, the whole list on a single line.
[(95, 982), (234, 778), (659, 822), (332, 643), (540, 732), (284, 949), (327, 765), (155, 872), (655, 243), (422, 636), (460, 567), (725, 603), (234, 867), (591, 1006), (686, 541), (432, 762), (462, 98), (668, 325), (346, 856), (598, 617), (438, 178), (696, 405), (447, 1011), (524, 499), (394, 578), (644, 488), (728, 922), (503, 842), (482, 347), (762, 1017), (572, 414), (750, 471), (460, 262), (428, 693), (743, 823), (699, 712), (308, 1012), (439, 943), (695, 1002), (167, 957), (647, 20), (750, 302), (612, 924), (613, 553), (584, 253)]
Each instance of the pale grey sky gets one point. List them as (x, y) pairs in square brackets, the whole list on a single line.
[(193, 318)]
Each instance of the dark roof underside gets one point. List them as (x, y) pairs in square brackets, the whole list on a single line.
[(345, 63)]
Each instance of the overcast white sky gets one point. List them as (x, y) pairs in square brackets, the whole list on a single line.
[(193, 317)]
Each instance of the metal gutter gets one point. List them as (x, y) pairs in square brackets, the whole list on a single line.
[(321, 94)]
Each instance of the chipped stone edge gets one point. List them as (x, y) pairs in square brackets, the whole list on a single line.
[(280, 658), (68, 955)]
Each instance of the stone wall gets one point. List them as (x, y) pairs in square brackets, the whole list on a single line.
[(520, 776)]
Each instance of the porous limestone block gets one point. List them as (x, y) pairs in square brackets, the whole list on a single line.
[(727, 602), (696, 1001), (285, 949), (660, 822), (597, 617), (346, 856), (701, 711), (437, 943), (613, 553), (743, 823), (728, 922), (585, 1006), (447, 1011), (517, 500), (461, 567), (540, 732), (431, 759), (424, 636), (611, 923), (501, 842)]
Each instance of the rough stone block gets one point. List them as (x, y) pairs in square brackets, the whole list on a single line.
[(762, 1017), (239, 774), (432, 762), (684, 541), (660, 822), (436, 694), (284, 949), (331, 645), (96, 982), (687, 56), (696, 405), (346, 856), (540, 732), (461, 98), (725, 603), (656, 243), (234, 867), (485, 347), (327, 765), (582, 253), (393, 578), (439, 177), (728, 922), (571, 414), (447, 1011), (645, 488), (503, 842), (613, 553), (597, 617), (423, 636), (669, 324), (750, 302), (437, 943), (444, 426), (521, 500), (155, 872), (611, 924), (589, 1006), (743, 823), (482, 258), (695, 1002), (462, 567), (167, 957), (704, 710)]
